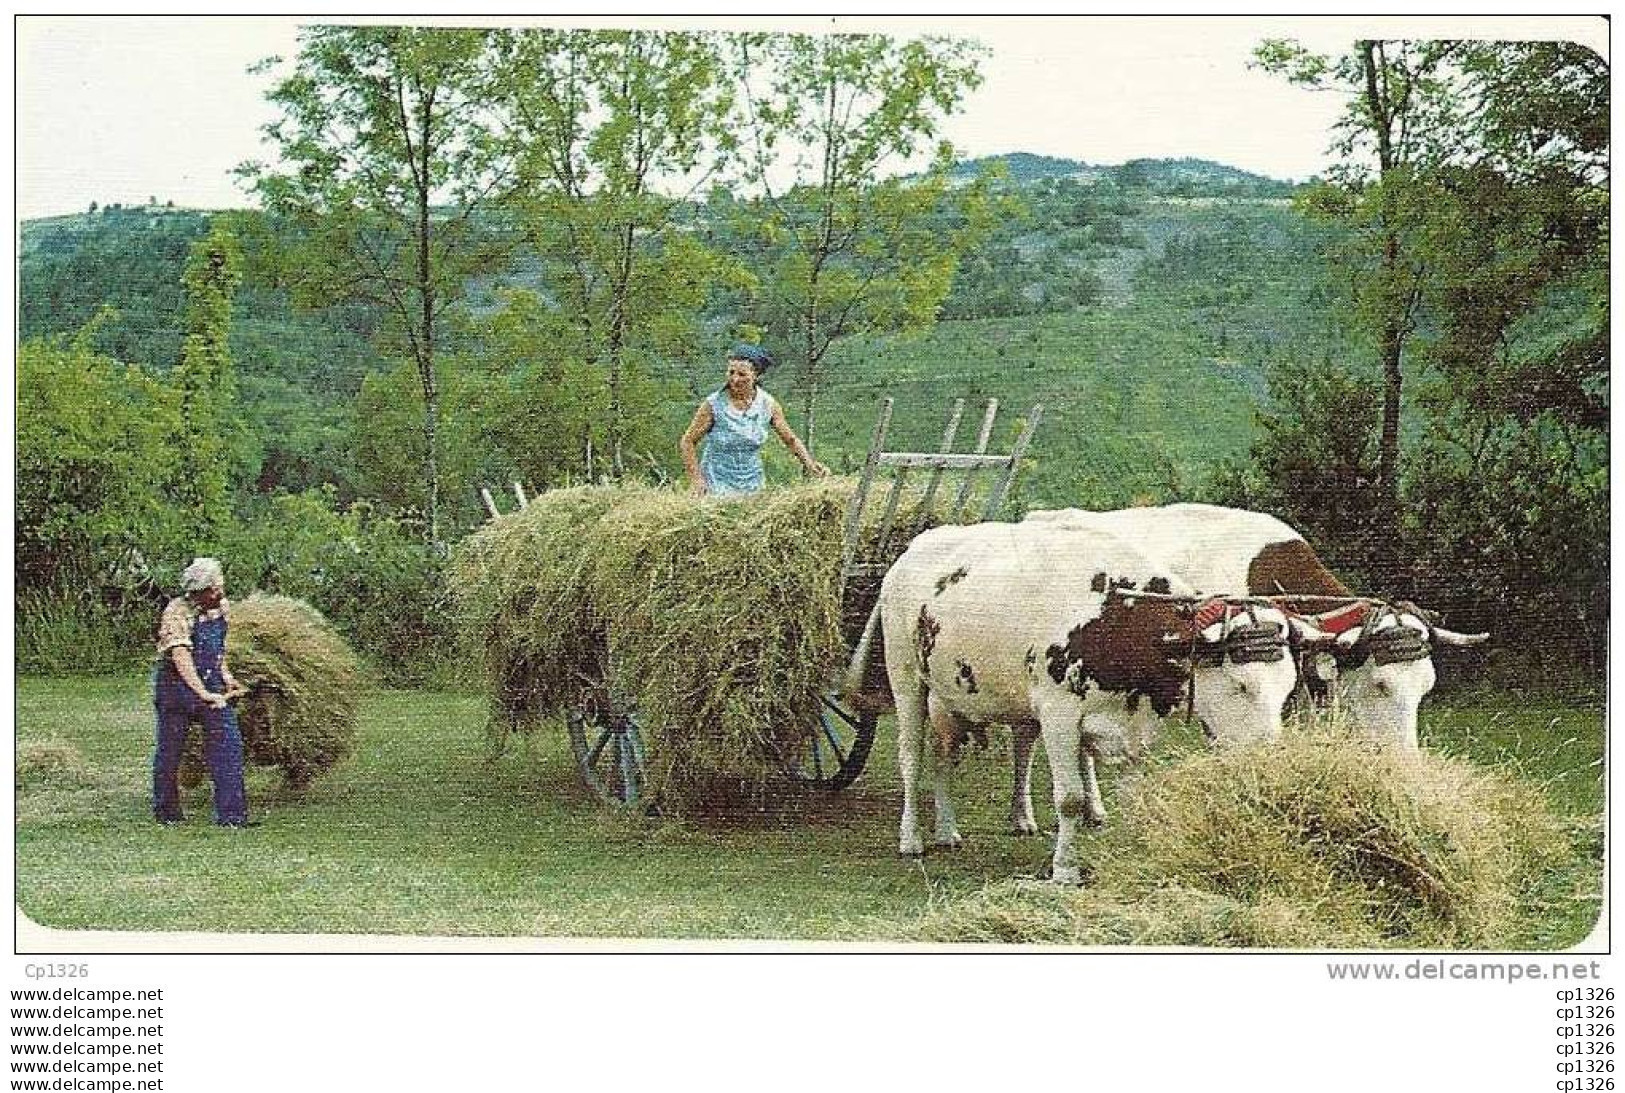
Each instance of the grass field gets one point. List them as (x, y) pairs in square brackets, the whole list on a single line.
[(424, 834)]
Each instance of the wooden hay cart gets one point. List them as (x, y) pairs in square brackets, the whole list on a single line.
[(605, 736)]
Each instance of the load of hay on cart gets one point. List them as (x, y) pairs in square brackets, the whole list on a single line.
[(692, 647)]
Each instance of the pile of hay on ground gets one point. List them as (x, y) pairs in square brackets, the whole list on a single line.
[(1317, 841), (719, 620), (305, 689), (58, 787), (53, 764)]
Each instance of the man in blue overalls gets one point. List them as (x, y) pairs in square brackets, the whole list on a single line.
[(192, 683)]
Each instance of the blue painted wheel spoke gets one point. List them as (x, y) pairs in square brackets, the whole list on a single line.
[(631, 765), (834, 741), (830, 705), (598, 749), (634, 736)]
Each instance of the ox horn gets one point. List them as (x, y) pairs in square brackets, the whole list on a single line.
[(1450, 637)]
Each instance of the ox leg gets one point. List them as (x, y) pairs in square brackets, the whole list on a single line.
[(1094, 807), (1022, 739), (1062, 738), (948, 731), (910, 752)]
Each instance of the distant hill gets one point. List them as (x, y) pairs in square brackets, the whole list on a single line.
[(1141, 303), (1023, 167), (1187, 177)]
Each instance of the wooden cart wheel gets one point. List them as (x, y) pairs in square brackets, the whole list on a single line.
[(838, 749), (608, 747)]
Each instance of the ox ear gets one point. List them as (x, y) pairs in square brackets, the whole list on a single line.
[(1450, 637)]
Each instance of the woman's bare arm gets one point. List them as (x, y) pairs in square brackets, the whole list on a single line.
[(793, 442), (703, 420)]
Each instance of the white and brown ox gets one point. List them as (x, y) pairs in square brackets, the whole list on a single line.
[(1038, 628), (1383, 651)]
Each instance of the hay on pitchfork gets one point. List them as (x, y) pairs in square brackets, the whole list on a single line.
[(304, 690)]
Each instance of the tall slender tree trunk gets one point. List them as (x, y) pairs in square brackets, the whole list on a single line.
[(425, 342), (1391, 334), (618, 323), (1391, 343), (814, 365)]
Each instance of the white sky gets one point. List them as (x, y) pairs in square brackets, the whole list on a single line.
[(120, 109)]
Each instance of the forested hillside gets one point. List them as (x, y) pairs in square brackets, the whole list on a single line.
[(1144, 323), (1407, 359)]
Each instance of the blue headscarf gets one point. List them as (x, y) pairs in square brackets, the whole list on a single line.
[(759, 358)]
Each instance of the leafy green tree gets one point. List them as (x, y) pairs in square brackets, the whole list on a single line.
[(96, 465), (543, 416), (1479, 260), (387, 158), (845, 251), (597, 119), (207, 385), (388, 438), (1401, 106)]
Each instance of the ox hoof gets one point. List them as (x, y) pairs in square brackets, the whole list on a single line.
[(911, 848), (951, 841), (1068, 875), (1094, 821), (1023, 827)]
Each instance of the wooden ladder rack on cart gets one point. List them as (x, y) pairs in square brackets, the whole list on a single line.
[(943, 460)]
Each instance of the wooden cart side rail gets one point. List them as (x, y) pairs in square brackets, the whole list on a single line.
[(938, 463), (948, 461), (996, 498), (854, 512), (983, 436)]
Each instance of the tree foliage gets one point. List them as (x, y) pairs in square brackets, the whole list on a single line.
[(388, 155), (844, 250), (208, 385), (1471, 189), (96, 465), (613, 132)]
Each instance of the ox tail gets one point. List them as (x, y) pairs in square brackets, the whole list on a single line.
[(866, 686)]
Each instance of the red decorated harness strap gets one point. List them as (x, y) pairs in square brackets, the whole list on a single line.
[(1342, 619), (1209, 613)]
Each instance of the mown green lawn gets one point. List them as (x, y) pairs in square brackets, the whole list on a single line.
[(422, 833)]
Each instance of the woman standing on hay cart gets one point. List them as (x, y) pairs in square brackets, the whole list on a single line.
[(733, 422)]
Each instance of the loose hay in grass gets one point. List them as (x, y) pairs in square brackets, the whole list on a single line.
[(1035, 912), (719, 621), (304, 685), (1412, 848), (1318, 841), (53, 764)]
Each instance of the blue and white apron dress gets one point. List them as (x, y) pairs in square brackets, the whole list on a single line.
[(731, 460)]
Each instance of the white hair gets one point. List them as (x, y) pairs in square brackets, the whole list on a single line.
[(202, 573)]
